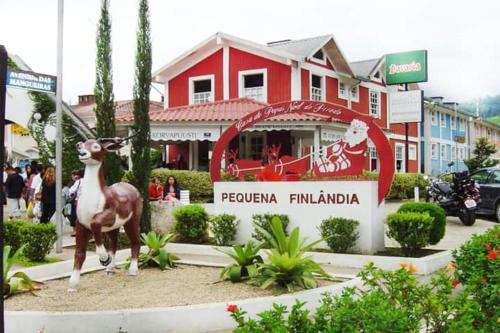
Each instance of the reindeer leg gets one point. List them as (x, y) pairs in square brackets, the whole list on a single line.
[(82, 238), (104, 218), (104, 257), (132, 231), (113, 244)]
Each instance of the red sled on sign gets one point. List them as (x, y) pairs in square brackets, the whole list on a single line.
[(344, 157)]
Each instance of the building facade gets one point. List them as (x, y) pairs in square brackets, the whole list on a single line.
[(224, 77), (449, 135)]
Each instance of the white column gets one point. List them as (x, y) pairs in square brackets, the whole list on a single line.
[(191, 155), (316, 143), (225, 72), (195, 155), (165, 101), (295, 81)]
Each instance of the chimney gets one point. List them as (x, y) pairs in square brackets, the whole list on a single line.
[(437, 99), (86, 99)]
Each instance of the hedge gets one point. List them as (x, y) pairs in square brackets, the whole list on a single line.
[(37, 238), (198, 183), (403, 184), (437, 213)]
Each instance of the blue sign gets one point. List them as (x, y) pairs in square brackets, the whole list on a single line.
[(31, 81)]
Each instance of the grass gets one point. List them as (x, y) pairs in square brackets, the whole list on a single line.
[(495, 119), (25, 262)]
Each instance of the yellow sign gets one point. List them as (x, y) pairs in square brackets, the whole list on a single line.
[(18, 129)]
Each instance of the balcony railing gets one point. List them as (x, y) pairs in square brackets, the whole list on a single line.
[(316, 94), (202, 97), (256, 93)]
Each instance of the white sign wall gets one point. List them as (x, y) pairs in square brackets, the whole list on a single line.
[(306, 204), (405, 107)]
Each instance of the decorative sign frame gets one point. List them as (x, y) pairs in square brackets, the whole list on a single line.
[(337, 161)]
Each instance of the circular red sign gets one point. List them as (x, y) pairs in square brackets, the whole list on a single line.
[(375, 134)]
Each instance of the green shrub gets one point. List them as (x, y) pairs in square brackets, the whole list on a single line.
[(38, 240), (478, 267), (198, 183), (410, 229), (19, 281), (437, 213), (224, 228), (288, 267), (264, 221), (403, 184), (191, 223), (12, 235), (339, 233), (246, 257)]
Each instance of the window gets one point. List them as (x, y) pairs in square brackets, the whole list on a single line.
[(342, 90), (354, 94), (400, 160), (443, 152), (316, 88), (412, 152), (201, 89), (481, 177), (452, 120), (454, 153), (375, 103), (377, 77), (434, 151), (443, 119), (319, 55), (373, 158), (433, 118), (256, 146), (253, 84), (495, 179)]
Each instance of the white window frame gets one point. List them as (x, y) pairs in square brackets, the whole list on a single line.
[(453, 123), (379, 102), (443, 152), (412, 152), (434, 152), (454, 153), (194, 79), (241, 81), (433, 118), (345, 94), (377, 79), (317, 60), (323, 85), (403, 159), (442, 119), (356, 97), (373, 155)]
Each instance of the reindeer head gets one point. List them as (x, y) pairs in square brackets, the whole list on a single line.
[(232, 155), (356, 133), (92, 151), (273, 152)]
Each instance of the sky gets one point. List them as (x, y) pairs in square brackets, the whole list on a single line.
[(462, 37)]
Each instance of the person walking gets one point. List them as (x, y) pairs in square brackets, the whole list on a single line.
[(14, 185), (74, 193), (48, 195)]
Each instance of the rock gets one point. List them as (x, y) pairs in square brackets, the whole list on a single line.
[(162, 219)]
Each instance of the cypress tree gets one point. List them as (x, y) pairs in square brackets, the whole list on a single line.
[(103, 91), (141, 168)]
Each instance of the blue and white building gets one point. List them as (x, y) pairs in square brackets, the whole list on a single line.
[(444, 137)]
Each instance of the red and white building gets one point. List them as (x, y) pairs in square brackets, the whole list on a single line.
[(224, 77)]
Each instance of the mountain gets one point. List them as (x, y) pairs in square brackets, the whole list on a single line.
[(489, 107)]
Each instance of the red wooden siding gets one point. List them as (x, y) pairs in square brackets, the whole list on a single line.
[(278, 75), (304, 77), (332, 92), (412, 165), (178, 87)]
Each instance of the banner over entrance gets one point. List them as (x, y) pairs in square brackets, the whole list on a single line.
[(344, 157)]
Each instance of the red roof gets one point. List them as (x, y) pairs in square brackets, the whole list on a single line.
[(225, 110), (122, 108)]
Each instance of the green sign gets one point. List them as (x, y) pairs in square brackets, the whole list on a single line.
[(406, 67), (31, 81)]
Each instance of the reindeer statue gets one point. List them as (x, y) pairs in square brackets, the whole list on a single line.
[(103, 209)]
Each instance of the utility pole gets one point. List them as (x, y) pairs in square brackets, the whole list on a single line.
[(59, 207)]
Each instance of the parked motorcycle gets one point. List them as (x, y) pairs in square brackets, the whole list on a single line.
[(459, 198)]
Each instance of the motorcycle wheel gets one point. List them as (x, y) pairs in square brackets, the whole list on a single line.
[(468, 217)]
